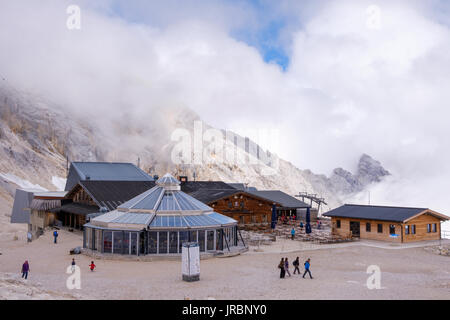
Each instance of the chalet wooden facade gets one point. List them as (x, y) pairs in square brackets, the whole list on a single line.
[(244, 208), (41, 214), (247, 209), (393, 224)]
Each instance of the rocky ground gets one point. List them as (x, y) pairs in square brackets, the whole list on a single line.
[(340, 272)]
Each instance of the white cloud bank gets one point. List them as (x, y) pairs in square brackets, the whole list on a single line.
[(348, 89)]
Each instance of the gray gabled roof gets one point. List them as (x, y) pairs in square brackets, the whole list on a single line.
[(22, 201), (104, 171), (278, 196), (383, 213)]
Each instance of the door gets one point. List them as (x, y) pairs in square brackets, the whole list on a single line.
[(355, 228)]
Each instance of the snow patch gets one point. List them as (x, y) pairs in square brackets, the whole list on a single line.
[(59, 183), (24, 184)]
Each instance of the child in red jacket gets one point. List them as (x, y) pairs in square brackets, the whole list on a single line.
[(92, 265)]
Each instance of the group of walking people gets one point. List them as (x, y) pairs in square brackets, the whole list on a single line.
[(284, 267)]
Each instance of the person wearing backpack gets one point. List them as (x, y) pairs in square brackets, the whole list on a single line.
[(296, 264), (281, 266), (307, 265), (55, 236)]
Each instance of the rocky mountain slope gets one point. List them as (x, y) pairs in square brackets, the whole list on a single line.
[(38, 136)]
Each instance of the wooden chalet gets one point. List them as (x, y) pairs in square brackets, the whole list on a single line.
[(248, 206), (394, 224)]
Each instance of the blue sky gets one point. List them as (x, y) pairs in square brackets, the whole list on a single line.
[(262, 24)]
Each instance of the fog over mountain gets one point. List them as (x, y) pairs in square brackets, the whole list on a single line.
[(36, 140)]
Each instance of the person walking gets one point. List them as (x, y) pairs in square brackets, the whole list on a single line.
[(29, 236), (73, 264), (286, 266), (301, 225), (281, 266), (296, 264), (25, 269), (307, 266), (292, 233), (92, 266), (55, 236)]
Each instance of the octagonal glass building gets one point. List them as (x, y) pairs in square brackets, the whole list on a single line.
[(158, 222)]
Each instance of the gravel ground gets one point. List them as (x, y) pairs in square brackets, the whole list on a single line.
[(339, 273)]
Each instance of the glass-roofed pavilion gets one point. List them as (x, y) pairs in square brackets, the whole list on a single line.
[(158, 222)]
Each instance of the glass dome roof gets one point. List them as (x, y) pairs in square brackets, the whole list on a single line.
[(163, 198)]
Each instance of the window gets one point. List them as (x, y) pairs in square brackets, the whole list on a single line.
[(219, 239), (126, 243), (392, 229), (413, 229), (434, 227), (242, 219), (428, 228), (380, 228), (193, 236), (201, 240), (153, 242), (253, 218), (163, 242), (210, 240), (236, 204), (107, 241), (184, 237), (173, 242), (368, 227), (406, 229), (117, 243), (230, 204), (264, 218), (98, 240), (133, 243), (242, 205), (338, 224)]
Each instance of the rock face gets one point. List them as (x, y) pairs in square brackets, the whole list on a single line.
[(36, 138), (368, 171)]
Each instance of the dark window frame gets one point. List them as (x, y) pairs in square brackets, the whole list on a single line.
[(338, 224), (368, 227), (380, 228), (413, 229)]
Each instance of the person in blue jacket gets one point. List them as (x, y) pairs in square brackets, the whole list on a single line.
[(293, 233), (307, 265), (55, 235)]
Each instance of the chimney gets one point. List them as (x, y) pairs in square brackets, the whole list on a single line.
[(183, 179)]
